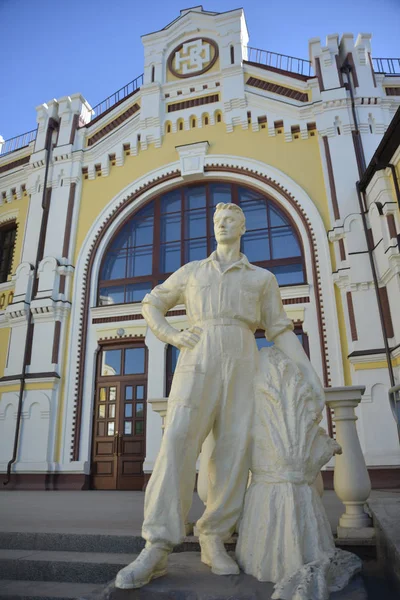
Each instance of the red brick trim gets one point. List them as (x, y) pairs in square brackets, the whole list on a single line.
[(15, 164), (350, 308), (318, 73), (193, 102), (113, 124), (331, 178), (277, 89), (387, 317), (392, 91), (391, 225), (56, 342)]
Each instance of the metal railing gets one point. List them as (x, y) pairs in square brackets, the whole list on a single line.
[(18, 142), (388, 66), (280, 61), (119, 95)]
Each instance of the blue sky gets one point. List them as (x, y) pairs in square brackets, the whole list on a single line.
[(54, 48)]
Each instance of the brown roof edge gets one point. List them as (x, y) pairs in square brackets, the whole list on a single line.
[(384, 152), (280, 71)]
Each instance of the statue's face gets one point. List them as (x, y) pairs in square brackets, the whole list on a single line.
[(228, 226)]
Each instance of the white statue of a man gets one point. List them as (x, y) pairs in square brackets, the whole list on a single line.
[(226, 300)]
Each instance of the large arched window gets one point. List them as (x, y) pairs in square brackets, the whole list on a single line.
[(177, 227)]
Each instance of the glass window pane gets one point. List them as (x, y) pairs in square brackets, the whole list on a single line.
[(245, 195), (140, 391), (111, 411), (139, 409), (135, 292), (276, 218), (128, 428), (140, 261), (111, 295), (143, 232), (174, 357), (195, 250), (103, 394), (256, 214), (124, 238), (170, 227), (111, 362), (134, 361), (110, 428), (113, 394), (171, 202), (102, 411), (195, 197), (284, 243), (128, 410), (170, 257), (255, 246), (195, 224), (114, 265), (139, 428), (220, 192), (129, 392), (288, 274), (262, 342)]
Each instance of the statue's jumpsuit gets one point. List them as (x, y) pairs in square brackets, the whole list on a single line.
[(212, 389)]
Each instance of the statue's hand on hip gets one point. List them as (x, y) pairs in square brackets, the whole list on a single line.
[(186, 339)]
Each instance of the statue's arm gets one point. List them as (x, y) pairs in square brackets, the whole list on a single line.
[(160, 300)]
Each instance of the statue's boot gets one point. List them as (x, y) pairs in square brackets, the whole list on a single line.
[(214, 554), (151, 563)]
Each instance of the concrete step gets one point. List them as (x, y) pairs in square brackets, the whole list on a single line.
[(45, 590), (189, 579), (124, 544), (75, 567)]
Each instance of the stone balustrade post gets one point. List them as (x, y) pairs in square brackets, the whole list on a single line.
[(351, 479), (159, 405)]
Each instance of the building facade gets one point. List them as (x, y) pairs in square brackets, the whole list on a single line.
[(98, 205)]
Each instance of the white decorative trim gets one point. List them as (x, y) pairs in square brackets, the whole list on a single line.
[(192, 157)]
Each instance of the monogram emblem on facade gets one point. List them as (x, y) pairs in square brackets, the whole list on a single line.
[(193, 57)]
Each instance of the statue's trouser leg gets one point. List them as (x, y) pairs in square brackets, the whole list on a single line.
[(212, 387)]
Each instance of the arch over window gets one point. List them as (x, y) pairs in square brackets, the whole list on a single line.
[(177, 227)]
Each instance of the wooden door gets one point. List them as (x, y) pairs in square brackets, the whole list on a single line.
[(119, 423)]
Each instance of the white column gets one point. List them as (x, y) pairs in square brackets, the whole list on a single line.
[(155, 389), (351, 479)]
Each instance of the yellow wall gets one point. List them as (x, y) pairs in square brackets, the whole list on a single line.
[(300, 159), (4, 337)]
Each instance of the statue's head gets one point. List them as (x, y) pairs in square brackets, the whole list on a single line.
[(229, 223)]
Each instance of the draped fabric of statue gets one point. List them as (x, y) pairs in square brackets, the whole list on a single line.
[(284, 533)]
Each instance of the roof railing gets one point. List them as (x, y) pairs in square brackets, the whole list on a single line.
[(18, 142), (119, 95), (280, 61), (388, 66)]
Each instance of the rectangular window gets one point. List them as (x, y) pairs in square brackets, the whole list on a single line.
[(7, 243)]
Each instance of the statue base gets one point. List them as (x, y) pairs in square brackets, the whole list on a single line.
[(189, 579)]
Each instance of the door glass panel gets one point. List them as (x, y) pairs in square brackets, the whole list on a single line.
[(113, 394), (102, 411), (129, 392), (140, 391), (110, 429), (111, 362), (111, 411), (103, 394), (128, 428), (128, 410), (134, 361), (139, 409), (139, 427)]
